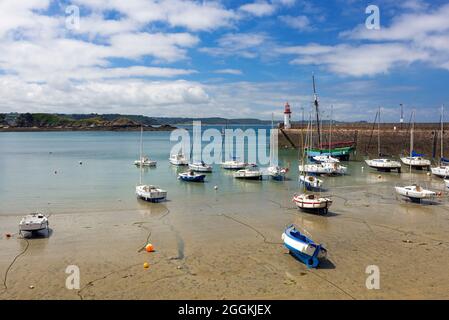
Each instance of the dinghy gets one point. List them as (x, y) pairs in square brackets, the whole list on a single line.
[(312, 202), (277, 173), (178, 159), (415, 192), (150, 193), (200, 167), (33, 222), (311, 183), (191, 176), (146, 162), (323, 168), (302, 247), (250, 173)]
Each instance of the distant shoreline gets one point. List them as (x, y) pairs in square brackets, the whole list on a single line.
[(56, 129)]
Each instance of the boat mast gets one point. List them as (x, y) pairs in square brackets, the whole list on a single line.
[(271, 139), (378, 134), (315, 102), (141, 151), (411, 142), (442, 133), (330, 132)]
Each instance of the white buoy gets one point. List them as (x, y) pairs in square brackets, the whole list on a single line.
[(216, 187)]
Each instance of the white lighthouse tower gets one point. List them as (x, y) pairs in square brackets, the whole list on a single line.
[(287, 116)]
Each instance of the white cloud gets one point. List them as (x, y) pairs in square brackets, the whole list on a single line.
[(246, 45), (229, 71), (258, 8), (299, 22)]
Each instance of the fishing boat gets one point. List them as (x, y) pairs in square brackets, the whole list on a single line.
[(148, 192), (443, 169), (233, 165), (33, 222), (178, 159), (200, 167), (415, 192), (191, 176), (312, 202), (382, 164), (302, 247), (325, 159), (251, 172), (146, 162), (311, 183), (277, 173)]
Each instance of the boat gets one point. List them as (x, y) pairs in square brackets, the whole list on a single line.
[(385, 165), (325, 159), (311, 183), (302, 247), (277, 173), (200, 167), (443, 169), (148, 192), (415, 192), (178, 159), (417, 162), (191, 176), (146, 162), (33, 222), (312, 202), (251, 172), (323, 168), (233, 165), (382, 164)]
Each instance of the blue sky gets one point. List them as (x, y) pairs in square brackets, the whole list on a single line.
[(224, 58)]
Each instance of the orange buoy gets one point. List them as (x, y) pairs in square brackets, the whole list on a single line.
[(146, 265), (8, 235), (149, 248)]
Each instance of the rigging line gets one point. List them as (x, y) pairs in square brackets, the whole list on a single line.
[(333, 284)]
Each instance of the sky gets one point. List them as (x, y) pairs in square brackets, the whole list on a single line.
[(234, 59)]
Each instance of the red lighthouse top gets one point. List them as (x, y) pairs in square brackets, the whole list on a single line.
[(287, 109)]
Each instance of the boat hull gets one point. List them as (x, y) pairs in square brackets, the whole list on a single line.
[(419, 164), (200, 168), (154, 195), (414, 194), (196, 178), (384, 166)]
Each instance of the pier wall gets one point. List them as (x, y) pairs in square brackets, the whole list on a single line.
[(394, 141)]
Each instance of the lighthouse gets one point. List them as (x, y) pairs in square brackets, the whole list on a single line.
[(287, 116)]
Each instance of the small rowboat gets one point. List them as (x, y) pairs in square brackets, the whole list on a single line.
[(415, 192), (33, 222), (303, 248), (191, 176), (311, 182), (312, 202)]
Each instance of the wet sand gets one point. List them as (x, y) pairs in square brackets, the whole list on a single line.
[(229, 247)]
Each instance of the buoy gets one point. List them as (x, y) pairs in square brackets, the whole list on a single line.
[(8, 235), (428, 174), (56, 172), (216, 187), (146, 265), (379, 176), (149, 247), (31, 287), (81, 162)]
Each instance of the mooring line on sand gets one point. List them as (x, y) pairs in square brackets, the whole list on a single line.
[(250, 227), (13, 261), (333, 284)]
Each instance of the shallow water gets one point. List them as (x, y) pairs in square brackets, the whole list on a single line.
[(42, 171)]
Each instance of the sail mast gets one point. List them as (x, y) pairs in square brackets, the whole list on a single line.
[(411, 141), (378, 134), (315, 102), (330, 132), (141, 151), (442, 132)]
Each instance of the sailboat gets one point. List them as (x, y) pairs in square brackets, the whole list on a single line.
[(304, 201), (251, 172), (415, 160), (443, 169), (382, 164), (327, 158), (144, 160), (148, 192), (414, 191), (178, 159), (275, 172)]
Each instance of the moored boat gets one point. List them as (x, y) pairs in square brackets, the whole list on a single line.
[(146, 162), (178, 159), (200, 167), (277, 173), (440, 171), (33, 222), (311, 183), (312, 202), (233, 165), (191, 176), (150, 193), (415, 192), (302, 247), (417, 162), (446, 182), (250, 173), (385, 165), (325, 159)]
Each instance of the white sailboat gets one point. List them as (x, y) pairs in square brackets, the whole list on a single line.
[(382, 164), (144, 160), (148, 192), (275, 172), (442, 170), (415, 160), (327, 158), (414, 191), (251, 172), (178, 159), (33, 222), (233, 165), (200, 167)]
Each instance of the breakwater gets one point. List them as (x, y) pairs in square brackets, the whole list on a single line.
[(394, 140)]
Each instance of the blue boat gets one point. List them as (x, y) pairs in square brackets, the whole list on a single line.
[(303, 248), (191, 176)]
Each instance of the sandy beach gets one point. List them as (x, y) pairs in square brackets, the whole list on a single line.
[(229, 247)]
